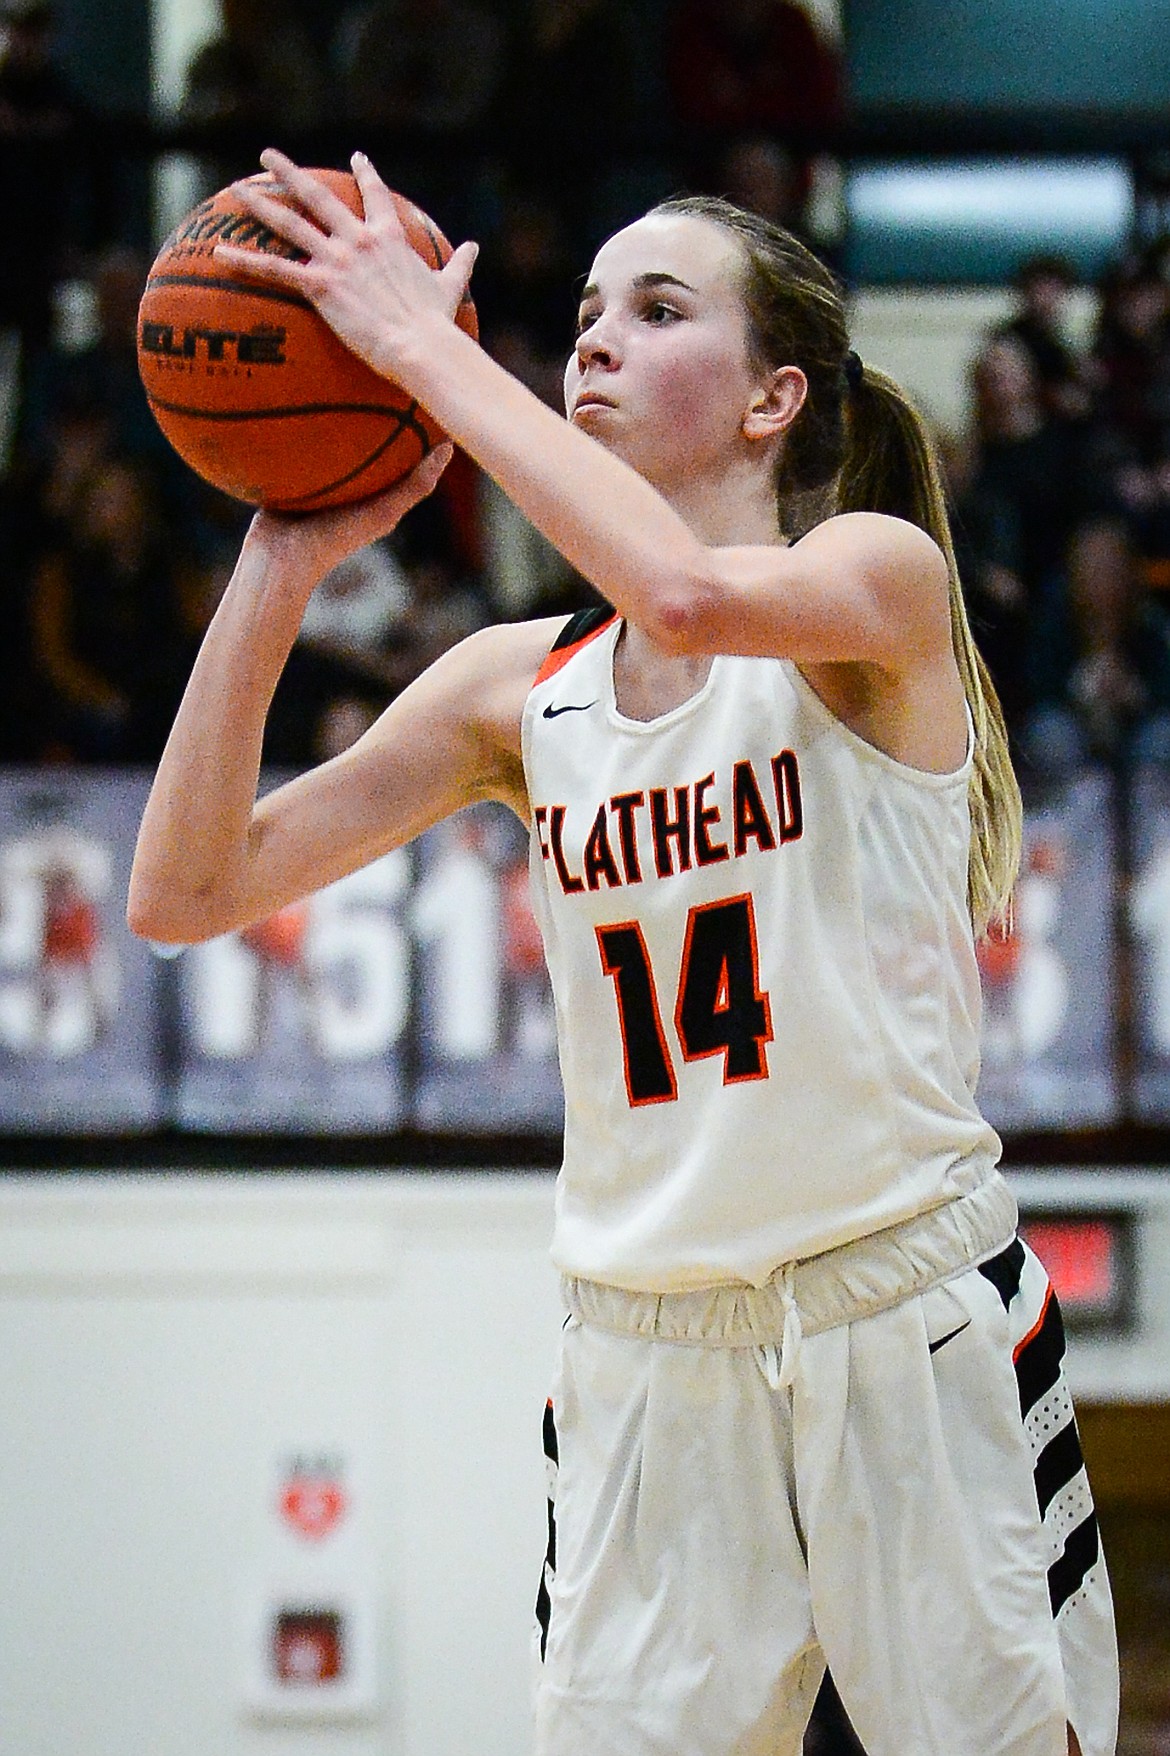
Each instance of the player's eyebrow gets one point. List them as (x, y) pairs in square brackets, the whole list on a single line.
[(652, 278)]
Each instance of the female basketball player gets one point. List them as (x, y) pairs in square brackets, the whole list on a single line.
[(769, 799)]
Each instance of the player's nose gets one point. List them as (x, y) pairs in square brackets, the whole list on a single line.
[(597, 343)]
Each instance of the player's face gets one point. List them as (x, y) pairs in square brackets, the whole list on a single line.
[(662, 373)]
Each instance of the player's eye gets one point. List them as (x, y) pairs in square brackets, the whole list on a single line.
[(584, 320), (658, 311)]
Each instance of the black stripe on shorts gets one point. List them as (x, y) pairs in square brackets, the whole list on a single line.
[(548, 1571), (1071, 1568), (1056, 1466), (1004, 1271), (1038, 1363)]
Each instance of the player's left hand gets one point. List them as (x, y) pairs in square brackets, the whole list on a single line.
[(310, 544), (374, 291)]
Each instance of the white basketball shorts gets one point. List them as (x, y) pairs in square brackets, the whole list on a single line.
[(911, 1507)]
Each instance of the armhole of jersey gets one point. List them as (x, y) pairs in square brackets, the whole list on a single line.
[(577, 632)]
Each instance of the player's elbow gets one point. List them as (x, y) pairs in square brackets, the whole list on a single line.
[(146, 921), (684, 614), (162, 914)]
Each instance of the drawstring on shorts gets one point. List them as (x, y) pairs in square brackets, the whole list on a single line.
[(793, 1333), (779, 1365), (814, 1293)]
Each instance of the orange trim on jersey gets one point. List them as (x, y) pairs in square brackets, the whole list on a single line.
[(1036, 1327), (560, 656)]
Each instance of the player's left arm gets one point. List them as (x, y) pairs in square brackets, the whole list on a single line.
[(859, 588)]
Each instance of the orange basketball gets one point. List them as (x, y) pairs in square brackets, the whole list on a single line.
[(252, 387)]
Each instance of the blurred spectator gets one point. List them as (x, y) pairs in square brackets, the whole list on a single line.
[(524, 292), (260, 79), (261, 72), (342, 655), (108, 635), (353, 611), (1111, 684), (1120, 560), (428, 65), (555, 99), (1040, 325), (101, 376), (527, 313), (21, 706), (35, 501), (426, 72), (43, 169), (1131, 360), (526, 575), (571, 78), (758, 173), (739, 67), (1019, 498), (372, 625)]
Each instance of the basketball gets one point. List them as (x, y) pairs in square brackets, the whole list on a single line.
[(252, 387)]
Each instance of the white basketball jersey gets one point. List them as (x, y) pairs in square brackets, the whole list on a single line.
[(766, 992)]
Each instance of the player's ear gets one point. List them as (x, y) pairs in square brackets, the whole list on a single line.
[(776, 404)]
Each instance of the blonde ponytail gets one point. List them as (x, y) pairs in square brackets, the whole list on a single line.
[(891, 466), (859, 446)]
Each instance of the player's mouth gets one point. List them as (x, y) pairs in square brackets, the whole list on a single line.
[(589, 399)]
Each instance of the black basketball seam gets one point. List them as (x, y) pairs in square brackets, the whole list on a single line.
[(432, 238), (440, 261), (248, 288), (406, 418)]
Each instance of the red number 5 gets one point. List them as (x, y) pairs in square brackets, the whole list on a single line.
[(720, 1009)]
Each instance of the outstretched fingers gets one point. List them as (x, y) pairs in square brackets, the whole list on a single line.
[(330, 212), (456, 272), (290, 223), (377, 201), (285, 221), (382, 213)]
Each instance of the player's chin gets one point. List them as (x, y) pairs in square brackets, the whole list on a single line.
[(600, 421), (594, 417)]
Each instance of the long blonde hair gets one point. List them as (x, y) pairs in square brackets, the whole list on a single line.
[(857, 445)]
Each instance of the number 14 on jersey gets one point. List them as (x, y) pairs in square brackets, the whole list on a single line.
[(719, 1008)]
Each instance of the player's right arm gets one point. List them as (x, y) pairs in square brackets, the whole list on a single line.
[(210, 858)]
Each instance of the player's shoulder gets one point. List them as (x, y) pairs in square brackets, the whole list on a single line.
[(484, 682), (877, 539), (503, 649), (525, 652)]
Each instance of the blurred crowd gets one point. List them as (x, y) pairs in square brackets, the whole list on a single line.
[(535, 126), (1061, 495)]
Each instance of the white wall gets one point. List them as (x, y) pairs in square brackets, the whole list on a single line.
[(169, 1342), (164, 1344)]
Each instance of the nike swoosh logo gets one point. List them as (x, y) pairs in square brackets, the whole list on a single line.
[(551, 712), (942, 1341)]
